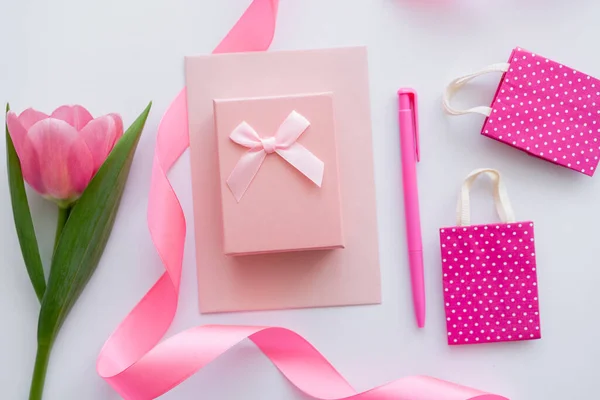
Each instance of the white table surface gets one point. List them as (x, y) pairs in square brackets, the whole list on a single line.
[(115, 55)]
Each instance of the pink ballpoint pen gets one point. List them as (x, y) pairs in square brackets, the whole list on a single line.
[(409, 147)]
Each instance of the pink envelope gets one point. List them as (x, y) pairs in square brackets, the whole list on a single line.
[(281, 210), (289, 279)]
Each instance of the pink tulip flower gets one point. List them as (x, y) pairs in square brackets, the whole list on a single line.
[(60, 153)]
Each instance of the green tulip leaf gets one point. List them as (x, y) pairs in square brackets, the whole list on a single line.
[(86, 233), (23, 221)]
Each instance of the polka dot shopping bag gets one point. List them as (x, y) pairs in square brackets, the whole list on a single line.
[(542, 107), (489, 273)]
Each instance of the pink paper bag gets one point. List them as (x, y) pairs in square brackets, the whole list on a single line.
[(489, 274), (542, 107)]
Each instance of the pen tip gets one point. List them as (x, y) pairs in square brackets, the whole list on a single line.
[(421, 320)]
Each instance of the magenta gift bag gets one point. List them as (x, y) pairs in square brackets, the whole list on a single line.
[(489, 274), (543, 108)]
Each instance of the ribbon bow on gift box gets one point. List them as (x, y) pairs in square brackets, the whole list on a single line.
[(283, 143)]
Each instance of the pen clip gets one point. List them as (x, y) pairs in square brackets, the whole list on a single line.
[(412, 95)]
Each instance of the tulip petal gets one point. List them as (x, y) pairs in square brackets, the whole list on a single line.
[(119, 125), (67, 164), (16, 130), (30, 116), (28, 158), (80, 165), (76, 116), (100, 135)]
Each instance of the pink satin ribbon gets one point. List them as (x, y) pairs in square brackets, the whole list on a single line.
[(133, 361), (283, 143)]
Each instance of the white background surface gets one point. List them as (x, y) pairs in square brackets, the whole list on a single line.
[(115, 55)]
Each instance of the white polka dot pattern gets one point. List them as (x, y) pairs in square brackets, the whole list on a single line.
[(490, 283), (548, 110)]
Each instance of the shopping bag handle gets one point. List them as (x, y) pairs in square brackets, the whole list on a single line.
[(503, 206), (458, 83)]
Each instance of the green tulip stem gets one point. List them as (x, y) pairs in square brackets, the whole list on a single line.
[(43, 350), (39, 371), (63, 216)]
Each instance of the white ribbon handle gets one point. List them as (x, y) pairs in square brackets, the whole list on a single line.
[(503, 206), (457, 83)]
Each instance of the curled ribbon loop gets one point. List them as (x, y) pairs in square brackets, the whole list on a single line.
[(283, 143), (133, 361)]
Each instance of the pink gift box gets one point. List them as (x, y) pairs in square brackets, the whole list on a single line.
[(549, 111), (490, 283), (281, 209)]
